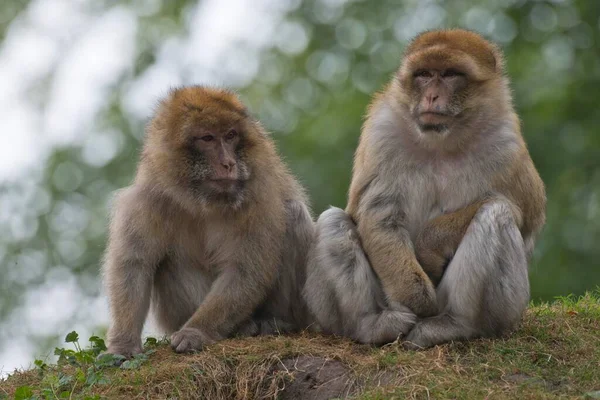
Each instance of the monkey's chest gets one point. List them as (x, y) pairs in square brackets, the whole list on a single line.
[(454, 187), (206, 247)]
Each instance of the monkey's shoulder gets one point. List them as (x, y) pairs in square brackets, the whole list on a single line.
[(144, 209)]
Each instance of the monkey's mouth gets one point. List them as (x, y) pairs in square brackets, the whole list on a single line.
[(433, 118), (225, 184)]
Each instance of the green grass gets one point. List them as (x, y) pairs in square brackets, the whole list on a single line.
[(555, 354)]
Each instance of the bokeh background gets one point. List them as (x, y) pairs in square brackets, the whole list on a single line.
[(79, 80)]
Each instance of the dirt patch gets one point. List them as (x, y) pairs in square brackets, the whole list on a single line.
[(314, 378)]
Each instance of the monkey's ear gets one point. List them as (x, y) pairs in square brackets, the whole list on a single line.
[(498, 59)]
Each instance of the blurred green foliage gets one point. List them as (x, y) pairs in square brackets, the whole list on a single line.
[(311, 90)]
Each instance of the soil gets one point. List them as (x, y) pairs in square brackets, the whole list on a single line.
[(315, 378)]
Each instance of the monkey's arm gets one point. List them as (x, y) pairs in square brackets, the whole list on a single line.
[(134, 251), (526, 192), (437, 242), (392, 257), (234, 295)]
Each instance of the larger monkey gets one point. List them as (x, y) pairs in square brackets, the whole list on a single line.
[(442, 179), (213, 233)]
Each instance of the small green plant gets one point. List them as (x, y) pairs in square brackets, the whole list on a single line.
[(23, 393), (88, 369)]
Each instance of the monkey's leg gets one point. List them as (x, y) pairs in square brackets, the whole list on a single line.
[(241, 286), (486, 287), (388, 244), (285, 310), (342, 290), (128, 288), (178, 291)]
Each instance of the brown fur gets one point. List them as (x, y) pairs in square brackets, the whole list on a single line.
[(212, 264), (437, 242)]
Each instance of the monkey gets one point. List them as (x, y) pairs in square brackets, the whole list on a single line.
[(212, 235), (444, 206)]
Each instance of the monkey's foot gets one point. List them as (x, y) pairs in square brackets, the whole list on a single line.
[(126, 350), (188, 340), (116, 354), (437, 330), (250, 328), (421, 336)]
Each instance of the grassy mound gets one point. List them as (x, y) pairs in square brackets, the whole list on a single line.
[(555, 354)]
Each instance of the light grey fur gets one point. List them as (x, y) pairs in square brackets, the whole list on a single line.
[(485, 288), (342, 290)]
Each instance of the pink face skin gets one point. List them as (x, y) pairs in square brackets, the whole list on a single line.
[(219, 148), (436, 89)]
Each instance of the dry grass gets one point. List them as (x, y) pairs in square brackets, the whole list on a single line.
[(555, 354)]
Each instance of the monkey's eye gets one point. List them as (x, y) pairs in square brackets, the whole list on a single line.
[(231, 134), (422, 73), (207, 138), (449, 73)]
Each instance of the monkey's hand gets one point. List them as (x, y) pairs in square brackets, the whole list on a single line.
[(124, 351), (123, 344), (115, 355), (392, 257), (438, 241), (434, 256), (189, 339)]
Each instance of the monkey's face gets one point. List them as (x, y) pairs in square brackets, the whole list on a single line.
[(214, 151), (202, 138), (217, 160), (437, 97), (443, 78)]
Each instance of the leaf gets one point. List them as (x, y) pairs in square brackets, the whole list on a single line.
[(72, 337), (593, 395), (85, 357), (98, 344), (23, 393), (150, 341), (134, 363), (65, 355), (64, 380), (94, 377), (91, 376), (50, 380), (109, 360), (80, 376), (40, 364)]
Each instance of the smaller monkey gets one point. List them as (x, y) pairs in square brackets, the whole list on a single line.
[(212, 235)]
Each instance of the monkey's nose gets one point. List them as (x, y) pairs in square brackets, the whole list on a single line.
[(228, 165), (431, 99)]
